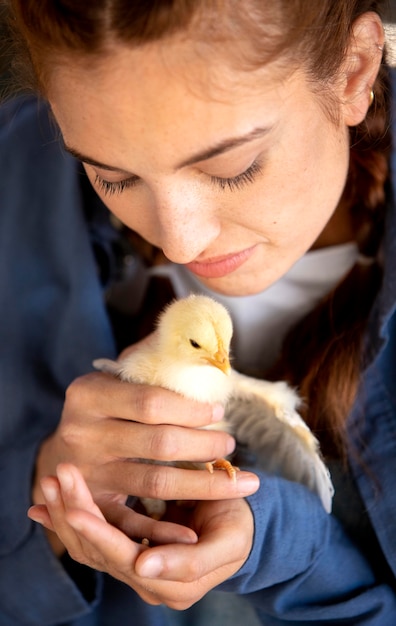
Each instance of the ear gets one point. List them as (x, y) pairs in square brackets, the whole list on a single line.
[(361, 67)]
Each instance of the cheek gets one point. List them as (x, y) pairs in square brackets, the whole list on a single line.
[(129, 209), (302, 188), (138, 218)]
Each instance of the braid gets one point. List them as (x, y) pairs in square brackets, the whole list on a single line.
[(323, 354), (369, 168)]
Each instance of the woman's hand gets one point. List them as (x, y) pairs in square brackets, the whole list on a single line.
[(108, 425), (176, 574)]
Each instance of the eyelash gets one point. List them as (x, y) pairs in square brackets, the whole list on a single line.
[(110, 189), (237, 182), (233, 184)]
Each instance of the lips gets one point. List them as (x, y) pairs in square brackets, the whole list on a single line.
[(220, 266)]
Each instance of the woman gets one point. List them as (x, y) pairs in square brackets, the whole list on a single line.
[(234, 137)]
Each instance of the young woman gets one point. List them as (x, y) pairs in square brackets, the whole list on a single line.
[(249, 142)]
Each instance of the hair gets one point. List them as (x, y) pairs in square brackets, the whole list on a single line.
[(323, 355)]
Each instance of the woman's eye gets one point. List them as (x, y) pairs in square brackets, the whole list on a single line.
[(110, 188), (239, 181), (233, 184)]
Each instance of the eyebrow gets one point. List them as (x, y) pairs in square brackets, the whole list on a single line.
[(224, 146), (209, 153), (86, 159)]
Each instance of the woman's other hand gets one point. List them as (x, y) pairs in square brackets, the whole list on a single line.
[(176, 574)]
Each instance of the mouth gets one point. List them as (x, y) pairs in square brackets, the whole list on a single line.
[(220, 359), (220, 266), (222, 364)]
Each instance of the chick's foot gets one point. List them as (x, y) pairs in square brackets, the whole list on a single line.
[(223, 464)]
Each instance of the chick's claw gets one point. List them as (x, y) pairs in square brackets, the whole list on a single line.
[(223, 464)]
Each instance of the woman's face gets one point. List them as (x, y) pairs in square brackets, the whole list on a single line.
[(234, 174)]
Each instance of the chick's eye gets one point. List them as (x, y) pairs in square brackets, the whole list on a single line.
[(194, 344)]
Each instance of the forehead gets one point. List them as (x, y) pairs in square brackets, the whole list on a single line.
[(159, 89)]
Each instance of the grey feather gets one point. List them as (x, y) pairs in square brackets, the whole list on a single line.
[(278, 448)]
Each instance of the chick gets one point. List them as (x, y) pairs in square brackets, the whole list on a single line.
[(189, 354)]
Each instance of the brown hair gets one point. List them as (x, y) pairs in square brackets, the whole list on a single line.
[(323, 355)]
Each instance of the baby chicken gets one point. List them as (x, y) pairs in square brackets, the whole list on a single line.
[(189, 354)]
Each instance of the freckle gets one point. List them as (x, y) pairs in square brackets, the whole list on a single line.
[(274, 222)]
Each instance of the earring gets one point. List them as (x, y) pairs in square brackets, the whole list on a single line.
[(371, 97)]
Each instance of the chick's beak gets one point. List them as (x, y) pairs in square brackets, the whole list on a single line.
[(221, 360)]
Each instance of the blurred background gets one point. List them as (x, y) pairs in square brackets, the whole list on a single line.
[(391, 10)]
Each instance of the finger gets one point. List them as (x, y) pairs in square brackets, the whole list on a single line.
[(170, 483), (39, 513), (65, 490), (75, 492), (77, 498), (223, 547), (162, 443), (56, 510), (117, 552), (138, 526), (113, 544), (76, 495), (142, 403), (102, 546)]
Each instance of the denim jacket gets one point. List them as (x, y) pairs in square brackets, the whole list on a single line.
[(305, 566)]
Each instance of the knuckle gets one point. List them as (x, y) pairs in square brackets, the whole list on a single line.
[(163, 444), (148, 403), (78, 556), (76, 414), (77, 394), (193, 571), (71, 436), (73, 441), (156, 483)]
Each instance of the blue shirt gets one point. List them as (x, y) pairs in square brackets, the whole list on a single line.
[(304, 566)]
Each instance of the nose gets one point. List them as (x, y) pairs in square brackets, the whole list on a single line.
[(187, 224)]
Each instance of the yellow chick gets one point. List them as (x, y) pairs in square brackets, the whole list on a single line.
[(189, 354)]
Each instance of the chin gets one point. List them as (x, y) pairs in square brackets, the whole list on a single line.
[(234, 287)]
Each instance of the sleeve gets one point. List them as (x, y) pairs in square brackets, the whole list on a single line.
[(52, 324), (303, 567), (35, 587)]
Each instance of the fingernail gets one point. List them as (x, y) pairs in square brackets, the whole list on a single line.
[(35, 518), (247, 483), (50, 492), (65, 478), (217, 413), (230, 445), (152, 567)]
